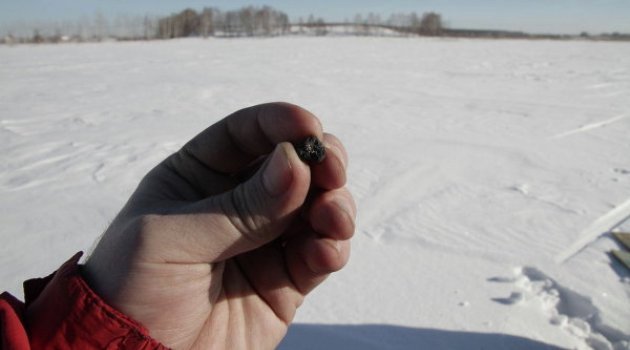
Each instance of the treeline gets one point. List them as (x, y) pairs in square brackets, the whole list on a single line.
[(250, 21), (266, 21), (85, 29), (429, 23), (247, 21)]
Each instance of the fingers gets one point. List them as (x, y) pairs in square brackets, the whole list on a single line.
[(228, 219), (245, 218), (331, 173), (266, 271), (332, 214), (325, 248), (283, 273), (311, 258), (234, 142)]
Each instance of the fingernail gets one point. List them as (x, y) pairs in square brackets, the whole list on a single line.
[(277, 175)]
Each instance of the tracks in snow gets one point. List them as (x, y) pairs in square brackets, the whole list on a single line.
[(570, 311), (591, 126)]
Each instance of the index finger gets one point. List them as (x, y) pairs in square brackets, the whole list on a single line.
[(234, 142)]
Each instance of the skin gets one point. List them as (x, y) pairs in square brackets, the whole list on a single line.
[(221, 242)]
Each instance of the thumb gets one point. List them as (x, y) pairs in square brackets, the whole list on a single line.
[(245, 218)]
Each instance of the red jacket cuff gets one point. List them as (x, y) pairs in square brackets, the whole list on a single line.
[(62, 312), (12, 333)]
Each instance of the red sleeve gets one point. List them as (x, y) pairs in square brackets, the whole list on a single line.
[(12, 333), (62, 312)]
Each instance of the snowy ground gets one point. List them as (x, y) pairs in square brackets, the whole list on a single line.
[(486, 173)]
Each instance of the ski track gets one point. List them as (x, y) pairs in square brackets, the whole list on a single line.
[(589, 127)]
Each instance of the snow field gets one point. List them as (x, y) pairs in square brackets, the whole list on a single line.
[(486, 172)]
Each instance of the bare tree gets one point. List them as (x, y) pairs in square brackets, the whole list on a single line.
[(372, 22), (431, 24), (37, 37), (310, 21), (188, 23), (265, 21), (231, 23), (165, 28), (246, 16), (360, 27), (206, 22), (101, 29), (321, 29), (149, 27)]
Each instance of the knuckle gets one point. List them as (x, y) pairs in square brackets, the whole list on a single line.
[(243, 209)]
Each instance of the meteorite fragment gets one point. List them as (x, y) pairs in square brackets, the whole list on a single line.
[(311, 150)]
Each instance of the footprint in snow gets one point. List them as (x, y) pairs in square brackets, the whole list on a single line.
[(513, 299), (573, 313)]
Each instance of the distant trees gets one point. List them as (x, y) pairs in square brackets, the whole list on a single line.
[(37, 38), (429, 24), (317, 25), (86, 28), (100, 26), (184, 24), (247, 21), (206, 22), (253, 21)]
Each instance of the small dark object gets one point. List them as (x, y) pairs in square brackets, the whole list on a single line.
[(311, 150)]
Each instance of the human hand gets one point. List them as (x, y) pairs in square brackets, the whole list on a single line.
[(206, 255)]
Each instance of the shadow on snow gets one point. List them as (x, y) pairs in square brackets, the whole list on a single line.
[(375, 336)]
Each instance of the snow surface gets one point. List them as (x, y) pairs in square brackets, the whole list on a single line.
[(487, 173)]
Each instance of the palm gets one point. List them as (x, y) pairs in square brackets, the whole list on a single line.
[(240, 300), (216, 308), (205, 255)]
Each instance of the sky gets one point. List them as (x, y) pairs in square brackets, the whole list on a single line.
[(537, 16)]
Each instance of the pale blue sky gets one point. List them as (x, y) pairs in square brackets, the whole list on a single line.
[(559, 16)]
